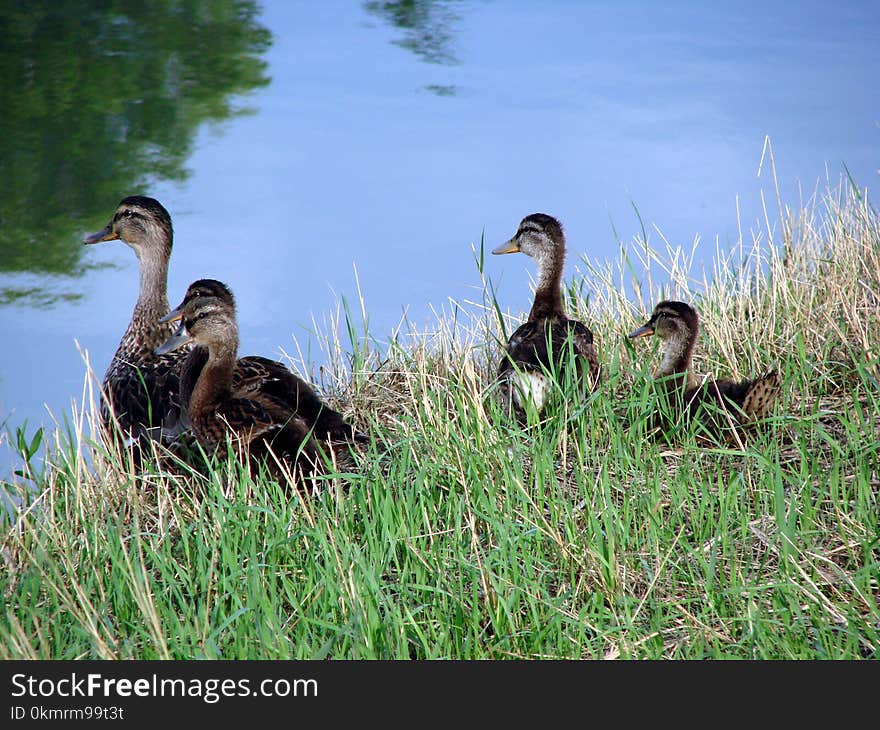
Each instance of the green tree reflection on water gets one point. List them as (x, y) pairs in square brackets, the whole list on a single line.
[(427, 26), (97, 99)]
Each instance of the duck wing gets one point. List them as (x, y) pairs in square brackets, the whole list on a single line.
[(145, 398), (528, 349), (258, 377), (747, 400), (252, 422), (271, 383)]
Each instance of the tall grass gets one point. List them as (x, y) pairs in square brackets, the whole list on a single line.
[(464, 536)]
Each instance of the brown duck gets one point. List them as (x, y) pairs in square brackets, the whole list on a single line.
[(141, 389), (261, 419), (256, 377), (735, 403), (540, 346)]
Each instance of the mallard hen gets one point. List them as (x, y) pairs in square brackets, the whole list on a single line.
[(259, 420), (541, 345), (141, 389), (715, 403), (256, 377)]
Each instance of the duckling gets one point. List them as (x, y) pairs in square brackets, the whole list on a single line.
[(742, 403), (258, 421), (544, 337), (140, 390), (256, 377)]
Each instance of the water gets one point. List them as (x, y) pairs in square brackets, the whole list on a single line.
[(301, 142)]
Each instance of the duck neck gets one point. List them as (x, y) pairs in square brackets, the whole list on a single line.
[(548, 294), (144, 333), (153, 295), (676, 363), (214, 382), (190, 370)]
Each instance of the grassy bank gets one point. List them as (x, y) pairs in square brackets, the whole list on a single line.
[(464, 537)]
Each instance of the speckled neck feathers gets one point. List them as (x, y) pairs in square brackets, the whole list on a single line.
[(143, 333), (677, 354), (548, 294), (542, 238)]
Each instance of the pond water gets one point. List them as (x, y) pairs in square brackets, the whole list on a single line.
[(306, 148)]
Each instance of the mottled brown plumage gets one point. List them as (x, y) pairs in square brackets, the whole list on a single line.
[(140, 388), (260, 403), (716, 404), (541, 345), (256, 377)]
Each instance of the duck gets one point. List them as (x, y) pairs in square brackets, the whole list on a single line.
[(257, 377), (534, 348), (140, 398), (262, 408), (731, 403)]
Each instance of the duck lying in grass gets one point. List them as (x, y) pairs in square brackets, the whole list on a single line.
[(543, 344), (714, 404), (257, 377), (141, 389), (258, 401)]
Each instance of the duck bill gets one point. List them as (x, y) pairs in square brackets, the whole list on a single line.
[(105, 234), (172, 316), (644, 331), (178, 339), (511, 246)]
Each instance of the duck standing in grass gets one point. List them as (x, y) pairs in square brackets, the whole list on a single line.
[(140, 390), (539, 349), (257, 401), (715, 404)]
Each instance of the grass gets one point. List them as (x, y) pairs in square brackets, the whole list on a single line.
[(463, 536)]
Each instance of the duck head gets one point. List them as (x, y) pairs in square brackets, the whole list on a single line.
[(540, 236), (142, 223), (201, 289), (208, 321), (670, 321)]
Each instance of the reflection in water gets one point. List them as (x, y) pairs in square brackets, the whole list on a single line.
[(441, 89), (98, 101), (428, 25), (35, 296)]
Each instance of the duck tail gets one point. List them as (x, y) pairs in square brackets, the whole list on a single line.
[(761, 395)]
